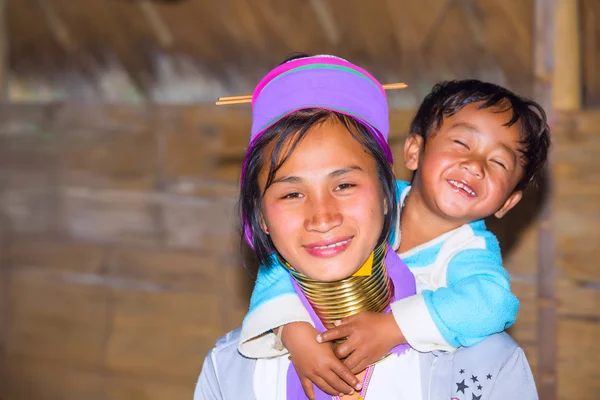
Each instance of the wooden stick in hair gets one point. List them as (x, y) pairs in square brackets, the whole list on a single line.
[(247, 98)]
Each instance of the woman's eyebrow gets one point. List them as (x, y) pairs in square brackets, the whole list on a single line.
[(342, 171), (333, 174), (287, 179)]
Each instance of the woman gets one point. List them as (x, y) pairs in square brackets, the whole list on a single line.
[(317, 191)]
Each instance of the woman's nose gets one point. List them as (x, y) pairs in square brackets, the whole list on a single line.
[(323, 214)]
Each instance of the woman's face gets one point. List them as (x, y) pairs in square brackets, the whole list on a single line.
[(325, 209)]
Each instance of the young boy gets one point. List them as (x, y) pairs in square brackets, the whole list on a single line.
[(473, 148)]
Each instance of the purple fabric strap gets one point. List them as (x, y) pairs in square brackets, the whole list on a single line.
[(404, 286)]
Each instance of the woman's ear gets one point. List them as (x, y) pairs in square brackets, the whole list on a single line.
[(413, 146), (385, 207), (263, 225)]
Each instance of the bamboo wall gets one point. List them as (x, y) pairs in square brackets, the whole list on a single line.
[(120, 260)]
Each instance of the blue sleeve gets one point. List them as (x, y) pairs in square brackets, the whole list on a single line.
[(271, 282), (477, 301)]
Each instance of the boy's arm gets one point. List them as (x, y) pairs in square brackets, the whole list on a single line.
[(476, 303), (274, 303)]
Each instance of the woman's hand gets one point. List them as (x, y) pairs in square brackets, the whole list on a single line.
[(316, 362), (370, 337)]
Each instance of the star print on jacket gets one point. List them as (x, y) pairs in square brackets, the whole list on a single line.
[(474, 378), (461, 386)]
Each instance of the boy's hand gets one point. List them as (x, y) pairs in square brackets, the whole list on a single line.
[(316, 362), (370, 337)]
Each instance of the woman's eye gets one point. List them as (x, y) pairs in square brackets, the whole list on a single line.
[(291, 196)]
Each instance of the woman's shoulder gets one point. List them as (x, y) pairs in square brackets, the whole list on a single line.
[(228, 340), (231, 369), (226, 353)]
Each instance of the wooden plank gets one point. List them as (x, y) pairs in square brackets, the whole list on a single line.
[(109, 216), (46, 253), (577, 125), (577, 366), (47, 380), (577, 171), (579, 299), (567, 56), (165, 270), (590, 37), (4, 51), (201, 224), (107, 147), (144, 388), (162, 333), (524, 330), (56, 316), (30, 200), (545, 54)]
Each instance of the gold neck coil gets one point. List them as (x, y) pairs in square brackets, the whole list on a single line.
[(336, 300)]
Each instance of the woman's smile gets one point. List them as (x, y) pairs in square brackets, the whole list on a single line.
[(328, 248)]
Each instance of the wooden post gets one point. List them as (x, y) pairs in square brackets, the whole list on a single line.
[(567, 56), (544, 65), (3, 54)]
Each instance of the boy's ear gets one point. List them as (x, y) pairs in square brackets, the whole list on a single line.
[(413, 146), (512, 201)]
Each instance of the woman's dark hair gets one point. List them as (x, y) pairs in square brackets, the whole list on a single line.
[(449, 97), (287, 133)]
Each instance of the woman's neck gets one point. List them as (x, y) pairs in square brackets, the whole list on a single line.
[(332, 301)]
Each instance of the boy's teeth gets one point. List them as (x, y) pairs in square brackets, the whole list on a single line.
[(333, 245), (463, 186)]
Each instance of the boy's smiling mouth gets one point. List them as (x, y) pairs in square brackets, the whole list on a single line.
[(462, 187)]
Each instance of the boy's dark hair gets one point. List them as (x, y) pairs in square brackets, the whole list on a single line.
[(287, 133), (449, 97)]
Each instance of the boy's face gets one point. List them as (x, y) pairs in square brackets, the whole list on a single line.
[(469, 169)]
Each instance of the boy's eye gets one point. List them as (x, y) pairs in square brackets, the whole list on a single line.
[(463, 144), (500, 163), (343, 186)]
